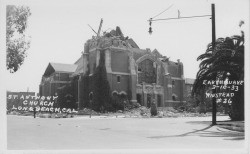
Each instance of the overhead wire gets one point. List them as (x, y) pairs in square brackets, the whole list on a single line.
[(162, 11)]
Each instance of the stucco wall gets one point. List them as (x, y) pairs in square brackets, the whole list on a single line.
[(175, 69), (64, 76), (92, 61), (122, 86), (161, 75), (188, 89), (177, 89), (119, 61), (46, 88)]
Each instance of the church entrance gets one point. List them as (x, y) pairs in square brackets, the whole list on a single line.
[(158, 100), (139, 99), (146, 94)]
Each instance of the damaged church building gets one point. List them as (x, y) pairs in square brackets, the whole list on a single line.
[(136, 75)]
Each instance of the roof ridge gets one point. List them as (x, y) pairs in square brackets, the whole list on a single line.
[(61, 63)]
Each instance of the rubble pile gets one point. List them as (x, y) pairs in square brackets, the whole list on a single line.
[(135, 112), (13, 113), (87, 111), (141, 111), (54, 115)]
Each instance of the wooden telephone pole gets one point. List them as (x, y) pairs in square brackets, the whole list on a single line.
[(213, 45)]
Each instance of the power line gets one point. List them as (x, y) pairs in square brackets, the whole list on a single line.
[(163, 11)]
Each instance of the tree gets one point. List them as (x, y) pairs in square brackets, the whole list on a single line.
[(85, 90), (66, 97), (225, 62), (101, 90), (16, 40)]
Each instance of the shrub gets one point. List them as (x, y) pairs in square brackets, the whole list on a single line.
[(101, 89)]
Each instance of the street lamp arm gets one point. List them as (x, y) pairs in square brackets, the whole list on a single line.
[(179, 18)]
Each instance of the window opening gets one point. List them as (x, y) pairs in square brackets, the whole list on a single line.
[(118, 79)]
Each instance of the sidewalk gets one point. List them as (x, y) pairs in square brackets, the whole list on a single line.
[(230, 125), (227, 124)]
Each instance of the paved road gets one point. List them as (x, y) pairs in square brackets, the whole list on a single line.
[(27, 133)]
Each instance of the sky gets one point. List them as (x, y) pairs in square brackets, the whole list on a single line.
[(59, 29)]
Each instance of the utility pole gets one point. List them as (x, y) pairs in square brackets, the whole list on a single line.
[(213, 45), (91, 102)]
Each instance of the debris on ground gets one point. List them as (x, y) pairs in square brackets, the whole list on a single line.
[(87, 111), (136, 112)]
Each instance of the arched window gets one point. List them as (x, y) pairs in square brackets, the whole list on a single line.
[(173, 83), (114, 93), (147, 71), (118, 79)]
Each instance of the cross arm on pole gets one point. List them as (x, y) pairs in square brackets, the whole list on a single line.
[(179, 18), (151, 20)]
